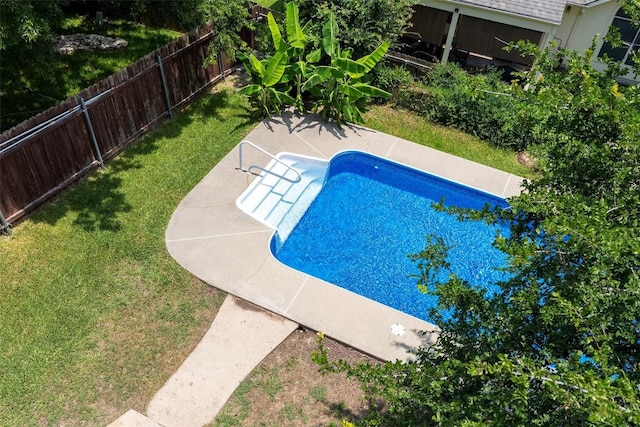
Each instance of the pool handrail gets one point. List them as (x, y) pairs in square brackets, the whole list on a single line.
[(249, 170)]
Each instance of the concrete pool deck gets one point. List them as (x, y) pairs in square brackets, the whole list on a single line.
[(209, 236)]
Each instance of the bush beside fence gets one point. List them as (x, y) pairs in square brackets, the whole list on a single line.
[(44, 154)]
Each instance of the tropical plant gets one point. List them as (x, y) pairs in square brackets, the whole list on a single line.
[(341, 89), (266, 75), (273, 75), (294, 46)]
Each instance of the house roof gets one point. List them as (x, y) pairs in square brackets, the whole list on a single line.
[(542, 10)]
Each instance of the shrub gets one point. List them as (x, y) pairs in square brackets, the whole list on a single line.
[(392, 78), (480, 105)]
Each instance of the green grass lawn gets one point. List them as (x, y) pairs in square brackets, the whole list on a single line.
[(95, 315), (410, 126)]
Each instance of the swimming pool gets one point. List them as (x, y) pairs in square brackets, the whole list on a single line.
[(370, 214)]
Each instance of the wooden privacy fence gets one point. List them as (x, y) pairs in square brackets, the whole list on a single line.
[(43, 155)]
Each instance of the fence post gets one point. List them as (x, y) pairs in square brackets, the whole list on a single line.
[(4, 225), (91, 133), (221, 64), (165, 88)]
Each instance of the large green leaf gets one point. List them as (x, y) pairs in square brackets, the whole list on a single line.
[(346, 111), (374, 57), (256, 65), (371, 90), (284, 97), (314, 80), (350, 67), (329, 72), (314, 56), (353, 93), (250, 89), (275, 32), (302, 68), (357, 116), (276, 67), (295, 35), (329, 37)]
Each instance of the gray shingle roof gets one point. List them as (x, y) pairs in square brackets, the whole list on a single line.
[(543, 10)]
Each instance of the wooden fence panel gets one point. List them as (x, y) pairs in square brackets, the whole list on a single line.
[(120, 108), (48, 162), (185, 80), (124, 114)]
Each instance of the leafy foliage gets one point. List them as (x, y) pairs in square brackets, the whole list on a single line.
[(558, 343), (341, 89), (266, 74), (26, 29), (230, 19), (27, 22), (363, 24)]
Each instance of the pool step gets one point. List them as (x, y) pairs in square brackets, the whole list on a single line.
[(270, 198)]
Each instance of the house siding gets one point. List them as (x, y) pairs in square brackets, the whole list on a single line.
[(581, 24)]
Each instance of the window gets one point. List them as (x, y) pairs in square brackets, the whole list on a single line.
[(630, 35)]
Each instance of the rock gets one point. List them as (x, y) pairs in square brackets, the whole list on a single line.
[(68, 44), (526, 159)]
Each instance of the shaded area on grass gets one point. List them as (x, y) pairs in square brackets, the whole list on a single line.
[(102, 203), (27, 89)]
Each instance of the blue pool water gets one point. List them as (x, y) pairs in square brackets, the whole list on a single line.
[(370, 214)]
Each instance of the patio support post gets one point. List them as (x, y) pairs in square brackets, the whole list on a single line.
[(452, 32), (92, 134), (165, 88), (547, 38)]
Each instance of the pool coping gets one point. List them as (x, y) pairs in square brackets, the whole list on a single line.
[(226, 248)]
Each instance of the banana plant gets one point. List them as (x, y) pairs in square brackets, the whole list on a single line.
[(294, 48), (272, 77), (265, 89), (342, 89)]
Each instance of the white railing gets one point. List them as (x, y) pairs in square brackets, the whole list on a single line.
[(250, 169)]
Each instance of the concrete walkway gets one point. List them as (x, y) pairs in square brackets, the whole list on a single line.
[(241, 336)]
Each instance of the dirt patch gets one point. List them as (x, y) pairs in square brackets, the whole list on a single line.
[(235, 80), (287, 389)]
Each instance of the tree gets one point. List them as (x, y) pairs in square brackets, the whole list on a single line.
[(559, 343), (363, 24), (229, 19), (26, 30), (25, 23)]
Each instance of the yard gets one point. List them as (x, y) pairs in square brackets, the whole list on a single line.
[(96, 315)]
